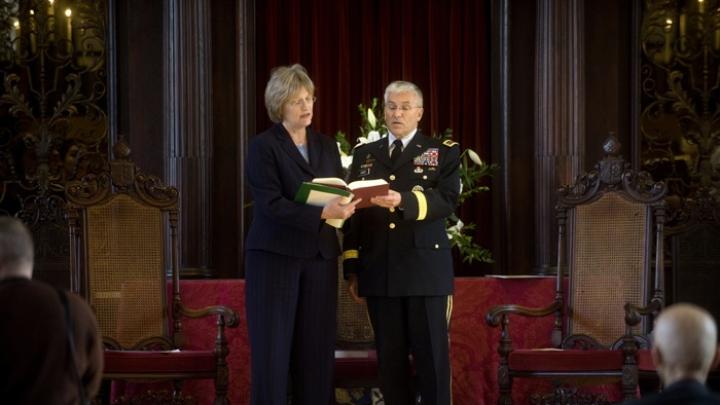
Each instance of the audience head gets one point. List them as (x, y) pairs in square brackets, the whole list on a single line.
[(685, 343), (403, 107), (16, 249), (288, 85)]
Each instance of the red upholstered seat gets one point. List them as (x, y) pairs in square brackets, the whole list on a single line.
[(171, 362), (565, 360)]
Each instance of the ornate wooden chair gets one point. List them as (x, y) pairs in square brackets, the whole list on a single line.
[(609, 220), (124, 254)]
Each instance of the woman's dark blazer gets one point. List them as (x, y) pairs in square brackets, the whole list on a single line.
[(275, 169)]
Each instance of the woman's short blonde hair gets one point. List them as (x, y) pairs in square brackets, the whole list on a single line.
[(284, 82)]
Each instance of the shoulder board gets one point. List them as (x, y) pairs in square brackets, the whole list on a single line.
[(449, 143)]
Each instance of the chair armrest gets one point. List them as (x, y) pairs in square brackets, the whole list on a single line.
[(232, 320), (496, 314), (634, 313)]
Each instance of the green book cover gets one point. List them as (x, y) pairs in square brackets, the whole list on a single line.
[(319, 194)]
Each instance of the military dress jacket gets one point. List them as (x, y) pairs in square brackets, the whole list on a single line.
[(405, 251), (275, 170)]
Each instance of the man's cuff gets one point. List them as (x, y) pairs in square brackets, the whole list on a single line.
[(415, 205), (350, 254)]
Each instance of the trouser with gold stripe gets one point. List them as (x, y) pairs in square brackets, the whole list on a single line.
[(416, 326)]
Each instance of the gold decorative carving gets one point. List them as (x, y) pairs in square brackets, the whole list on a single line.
[(680, 85), (53, 99)]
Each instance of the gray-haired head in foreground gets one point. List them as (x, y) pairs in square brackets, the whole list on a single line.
[(685, 343)]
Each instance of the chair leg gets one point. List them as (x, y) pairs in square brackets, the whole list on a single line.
[(505, 384), (221, 386), (177, 391), (630, 382)]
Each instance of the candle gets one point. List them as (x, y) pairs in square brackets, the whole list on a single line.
[(51, 20), (668, 41), (17, 34), (683, 24), (33, 29), (68, 14)]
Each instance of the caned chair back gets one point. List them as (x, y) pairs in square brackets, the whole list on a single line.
[(609, 265), (609, 226), (124, 251), (125, 269)]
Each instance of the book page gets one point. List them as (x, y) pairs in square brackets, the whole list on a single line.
[(331, 181), (321, 198), (366, 183)]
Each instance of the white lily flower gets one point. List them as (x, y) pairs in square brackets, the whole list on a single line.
[(457, 228), (371, 118), (474, 157), (373, 136), (340, 149)]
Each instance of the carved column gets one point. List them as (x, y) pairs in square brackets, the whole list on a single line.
[(246, 114), (559, 120), (188, 125)]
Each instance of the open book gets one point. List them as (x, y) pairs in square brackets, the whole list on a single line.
[(320, 191), (365, 189)]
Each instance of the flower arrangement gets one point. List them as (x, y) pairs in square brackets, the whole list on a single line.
[(472, 171)]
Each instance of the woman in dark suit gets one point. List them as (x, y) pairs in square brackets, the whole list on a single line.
[(291, 257)]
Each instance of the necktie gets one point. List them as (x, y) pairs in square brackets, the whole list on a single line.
[(397, 151)]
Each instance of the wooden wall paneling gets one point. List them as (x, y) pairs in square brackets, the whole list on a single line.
[(513, 58), (559, 115), (189, 130), (139, 38), (608, 94), (225, 137), (246, 113)]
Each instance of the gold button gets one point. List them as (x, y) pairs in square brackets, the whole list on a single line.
[(392, 209), (392, 177), (424, 177), (392, 225), (437, 246)]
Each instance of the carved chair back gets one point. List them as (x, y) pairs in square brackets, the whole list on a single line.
[(613, 220), (123, 250)]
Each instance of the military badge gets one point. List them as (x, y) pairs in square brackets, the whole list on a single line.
[(427, 158), (365, 169), (418, 169)]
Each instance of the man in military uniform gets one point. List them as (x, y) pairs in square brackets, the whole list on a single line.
[(397, 253)]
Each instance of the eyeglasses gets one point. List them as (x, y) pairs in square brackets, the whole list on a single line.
[(309, 100), (404, 108)]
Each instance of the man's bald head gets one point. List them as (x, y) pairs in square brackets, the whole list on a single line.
[(685, 343), (16, 249)]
